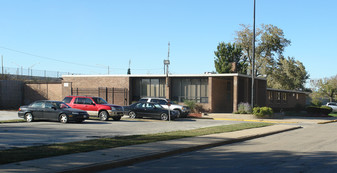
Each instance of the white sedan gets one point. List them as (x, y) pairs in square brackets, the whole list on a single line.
[(333, 105)]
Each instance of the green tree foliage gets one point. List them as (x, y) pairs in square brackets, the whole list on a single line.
[(325, 87), (281, 73), (226, 55), (289, 74), (270, 42)]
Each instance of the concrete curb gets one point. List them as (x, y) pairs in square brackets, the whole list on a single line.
[(257, 120), (326, 122), (126, 162)]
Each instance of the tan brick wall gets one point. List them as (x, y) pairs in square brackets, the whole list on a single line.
[(98, 81), (292, 99), (33, 92)]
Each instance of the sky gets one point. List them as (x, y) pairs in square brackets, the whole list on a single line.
[(92, 36)]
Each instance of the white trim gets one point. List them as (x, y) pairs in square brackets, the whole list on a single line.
[(292, 91), (176, 75)]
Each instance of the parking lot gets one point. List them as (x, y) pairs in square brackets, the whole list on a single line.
[(43, 132)]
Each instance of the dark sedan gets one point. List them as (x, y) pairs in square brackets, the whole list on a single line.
[(148, 109), (51, 110)]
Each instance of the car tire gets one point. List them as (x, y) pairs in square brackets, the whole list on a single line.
[(179, 115), (103, 116), (117, 118), (29, 117), (64, 118), (164, 116), (132, 115)]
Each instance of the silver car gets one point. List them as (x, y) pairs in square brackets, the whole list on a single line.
[(333, 105)]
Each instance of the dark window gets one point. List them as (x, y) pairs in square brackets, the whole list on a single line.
[(37, 105), (190, 89), (143, 100), (162, 102), (67, 99)]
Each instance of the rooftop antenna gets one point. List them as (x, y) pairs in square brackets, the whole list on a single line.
[(167, 61), (129, 69)]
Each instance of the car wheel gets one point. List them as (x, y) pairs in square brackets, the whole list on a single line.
[(132, 115), (178, 113), (116, 118), (164, 116), (104, 116), (29, 117), (63, 118)]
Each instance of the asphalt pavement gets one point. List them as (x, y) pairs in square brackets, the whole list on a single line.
[(121, 156)]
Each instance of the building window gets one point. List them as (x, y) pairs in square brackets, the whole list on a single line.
[(270, 96), (278, 97), (284, 97), (190, 89), (148, 87)]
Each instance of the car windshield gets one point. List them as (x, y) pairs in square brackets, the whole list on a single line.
[(99, 100)]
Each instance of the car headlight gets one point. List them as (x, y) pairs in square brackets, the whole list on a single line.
[(113, 108)]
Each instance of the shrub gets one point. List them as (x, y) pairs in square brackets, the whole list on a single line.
[(313, 109), (263, 112), (199, 108), (244, 108), (191, 104), (326, 110)]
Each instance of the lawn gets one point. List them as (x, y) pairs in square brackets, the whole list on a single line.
[(334, 114), (35, 152)]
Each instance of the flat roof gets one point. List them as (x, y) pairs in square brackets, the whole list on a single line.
[(292, 91), (171, 75)]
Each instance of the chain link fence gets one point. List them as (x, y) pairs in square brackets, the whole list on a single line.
[(10, 73)]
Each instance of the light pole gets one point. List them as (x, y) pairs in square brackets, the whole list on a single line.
[(253, 61)]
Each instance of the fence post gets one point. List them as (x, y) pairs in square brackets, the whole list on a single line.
[(106, 94), (113, 95)]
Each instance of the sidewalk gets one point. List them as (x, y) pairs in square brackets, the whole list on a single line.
[(279, 120), (115, 157)]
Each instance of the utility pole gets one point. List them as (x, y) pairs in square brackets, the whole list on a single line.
[(253, 61), (2, 65), (167, 63)]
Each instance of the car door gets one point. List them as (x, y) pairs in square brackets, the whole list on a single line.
[(36, 109), (51, 111), (152, 110), (140, 109)]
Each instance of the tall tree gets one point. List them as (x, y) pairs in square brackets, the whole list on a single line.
[(289, 74), (326, 87), (270, 41), (226, 55)]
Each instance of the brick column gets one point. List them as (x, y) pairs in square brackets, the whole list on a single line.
[(235, 93)]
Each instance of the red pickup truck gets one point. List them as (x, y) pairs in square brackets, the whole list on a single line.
[(95, 106)]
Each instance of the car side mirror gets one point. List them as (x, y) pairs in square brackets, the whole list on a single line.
[(53, 107)]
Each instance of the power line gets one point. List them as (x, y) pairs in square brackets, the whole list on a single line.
[(67, 62)]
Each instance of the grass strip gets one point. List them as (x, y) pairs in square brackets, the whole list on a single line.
[(13, 121), (334, 114), (36, 152)]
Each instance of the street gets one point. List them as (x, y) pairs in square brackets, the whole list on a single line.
[(310, 149), (45, 132)]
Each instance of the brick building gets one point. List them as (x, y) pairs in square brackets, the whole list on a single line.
[(215, 92)]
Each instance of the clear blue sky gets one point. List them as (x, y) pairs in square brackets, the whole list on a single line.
[(86, 36)]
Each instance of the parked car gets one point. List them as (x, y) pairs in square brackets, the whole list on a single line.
[(51, 110), (333, 105), (153, 110), (182, 111), (95, 106)]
